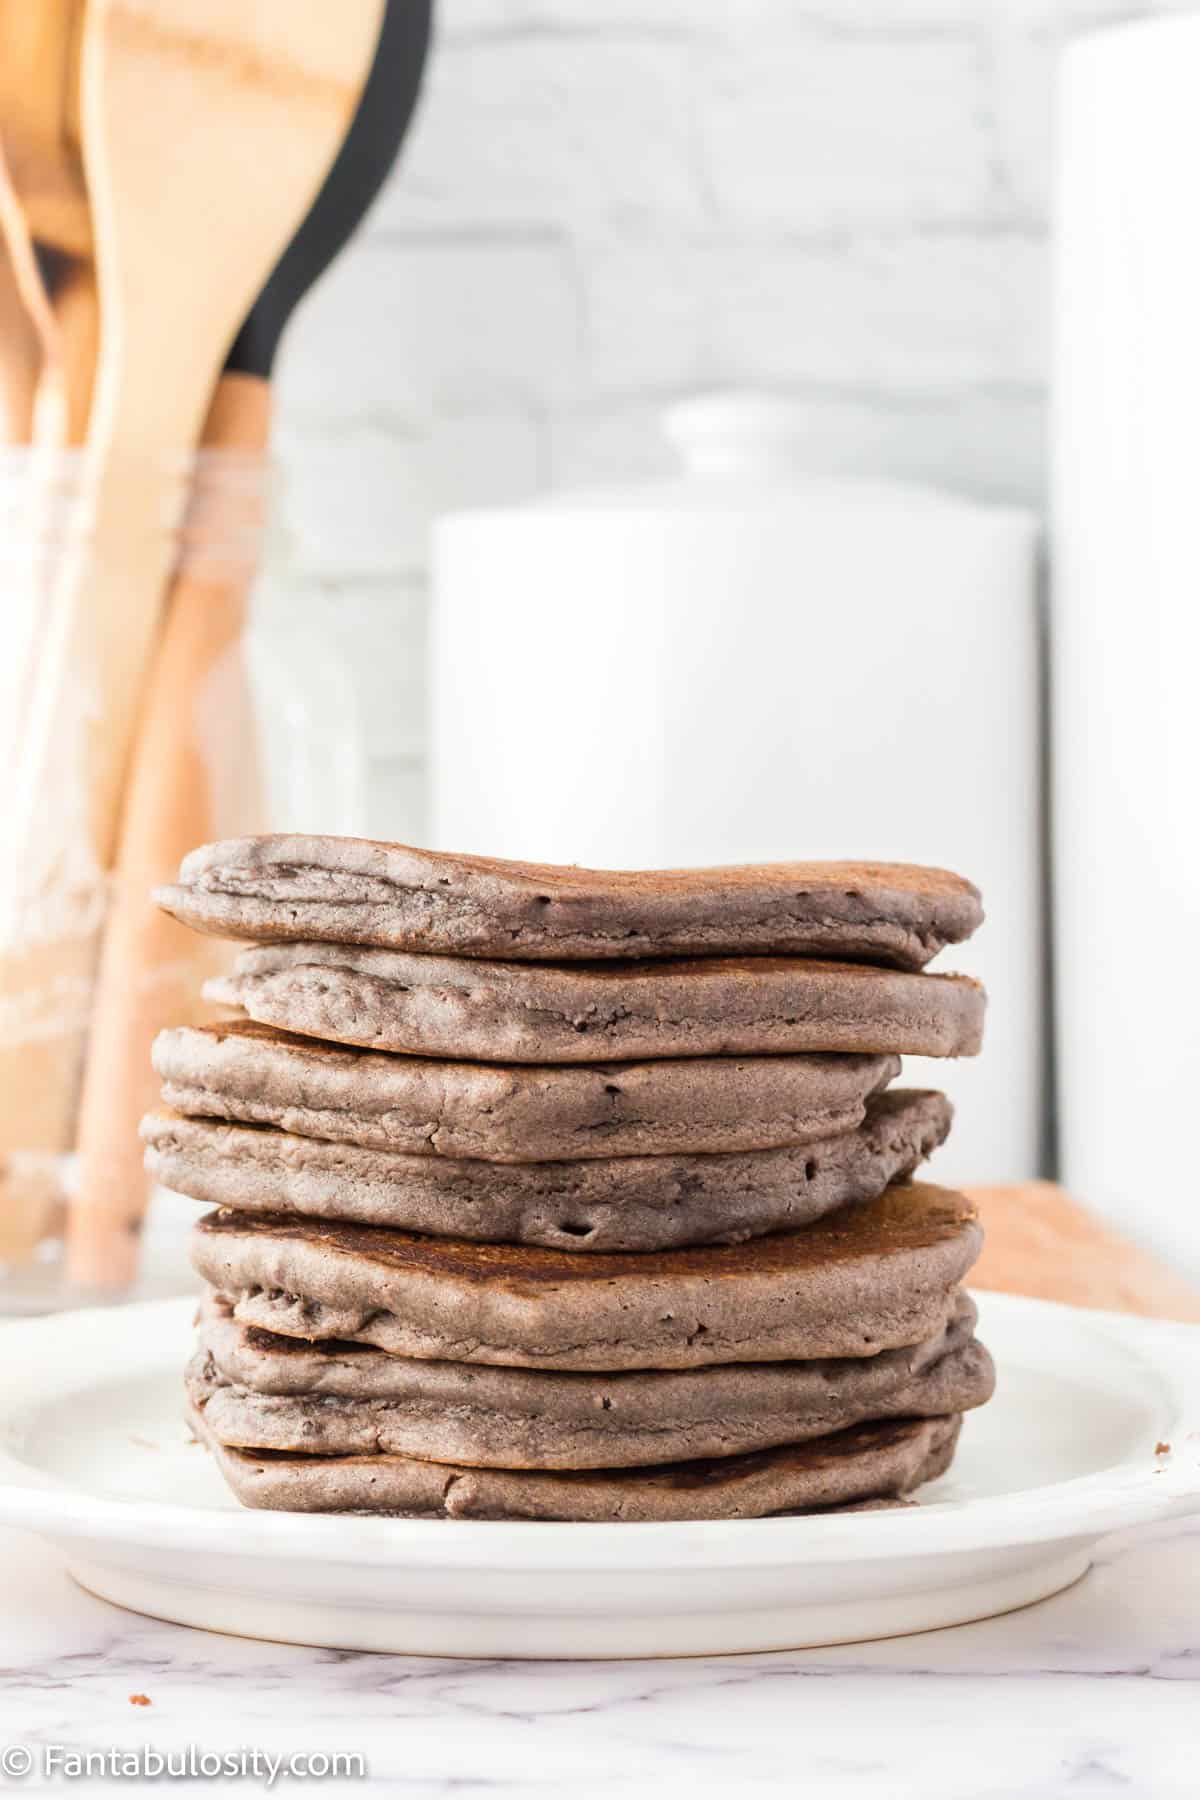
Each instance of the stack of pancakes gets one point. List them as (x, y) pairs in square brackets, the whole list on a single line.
[(548, 1193)]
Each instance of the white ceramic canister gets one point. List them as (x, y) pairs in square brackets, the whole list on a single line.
[(750, 663), (1125, 626)]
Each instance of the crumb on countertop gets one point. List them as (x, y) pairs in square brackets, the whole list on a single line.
[(1161, 1449), (139, 1700)]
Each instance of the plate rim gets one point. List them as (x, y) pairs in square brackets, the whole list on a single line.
[(1083, 1507)]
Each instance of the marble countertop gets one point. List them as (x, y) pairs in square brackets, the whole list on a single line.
[(1092, 1692)]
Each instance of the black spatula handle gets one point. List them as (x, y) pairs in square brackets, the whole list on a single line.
[(360, 169)]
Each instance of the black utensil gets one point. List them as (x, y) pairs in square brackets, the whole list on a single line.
[(371, 146)]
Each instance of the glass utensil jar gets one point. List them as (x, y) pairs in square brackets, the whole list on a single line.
[(247, 721)]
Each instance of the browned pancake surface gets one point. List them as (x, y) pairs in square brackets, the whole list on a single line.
[(873, 1277), (901, 1222)]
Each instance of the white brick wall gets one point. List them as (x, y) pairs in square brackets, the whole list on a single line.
[(606, 203)]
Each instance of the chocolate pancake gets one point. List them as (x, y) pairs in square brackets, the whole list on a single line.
[(867, 1462), (260, 1392), (575, 1013), (607, 1203), (508, 1113), (868, 1278), (351, 891)]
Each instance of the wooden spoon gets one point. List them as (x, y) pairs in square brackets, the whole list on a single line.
[(40, 39), (31, 1203), (25, 276), (20, 357), (46, 229), (208, 127), (152, 967), (69, 264), (50, 230), (48, 328), (37, 359)]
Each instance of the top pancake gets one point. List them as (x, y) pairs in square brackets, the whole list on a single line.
[(576, 1012), (354, 891)]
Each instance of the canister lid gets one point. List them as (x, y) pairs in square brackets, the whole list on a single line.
[(749, 451)]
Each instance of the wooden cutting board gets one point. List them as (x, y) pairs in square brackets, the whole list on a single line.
[(1041, 1242)]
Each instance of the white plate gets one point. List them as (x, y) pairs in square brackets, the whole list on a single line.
[(93, 1457)]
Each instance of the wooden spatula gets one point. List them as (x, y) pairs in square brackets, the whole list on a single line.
[(152, 967), (208, 127)]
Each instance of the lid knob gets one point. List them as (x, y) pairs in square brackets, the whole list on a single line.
[(741, 432)]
